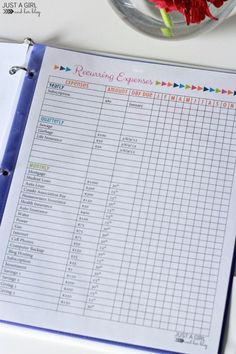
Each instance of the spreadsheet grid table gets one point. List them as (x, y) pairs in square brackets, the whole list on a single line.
[(144, 215)]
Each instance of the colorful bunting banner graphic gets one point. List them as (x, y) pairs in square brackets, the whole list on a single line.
[(61, 68), (194, 87)]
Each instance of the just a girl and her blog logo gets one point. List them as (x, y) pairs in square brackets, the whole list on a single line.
[(20, 8)]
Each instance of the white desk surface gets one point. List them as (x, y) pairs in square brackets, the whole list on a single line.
[(93, 25)]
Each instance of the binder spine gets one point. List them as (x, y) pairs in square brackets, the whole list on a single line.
[(9, 160)]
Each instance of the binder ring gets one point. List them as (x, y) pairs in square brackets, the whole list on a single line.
[(29, 41), (4, 172), (16, 68)]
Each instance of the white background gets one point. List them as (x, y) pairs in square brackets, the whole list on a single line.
[(93, 25)]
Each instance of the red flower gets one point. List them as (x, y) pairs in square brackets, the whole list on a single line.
[(217, 3), (194, 10)]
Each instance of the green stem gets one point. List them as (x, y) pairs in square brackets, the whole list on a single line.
[(166, 18), (166, 31)]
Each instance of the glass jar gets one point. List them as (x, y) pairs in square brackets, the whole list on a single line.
[(145, 17)]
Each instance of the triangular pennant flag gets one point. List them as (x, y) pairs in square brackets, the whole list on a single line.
[(223, 91), (163, 83), (181, 86), (211, 89), (229, 92), (217, 90), (175, 85), (157, 82), (187, 86), (62, 68), (205, 88), (193, 87), (169, 84), (199, 88), (56, 67), (68, 69)]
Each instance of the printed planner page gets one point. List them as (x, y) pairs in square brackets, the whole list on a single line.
[(119, 224)]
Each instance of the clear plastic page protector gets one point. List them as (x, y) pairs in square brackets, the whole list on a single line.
[(19, 120), (11, 54), (120, 221)]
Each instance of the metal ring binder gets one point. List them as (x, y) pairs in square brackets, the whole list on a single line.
[(4, 172), (16, 68), (29, 41)]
